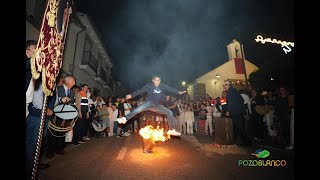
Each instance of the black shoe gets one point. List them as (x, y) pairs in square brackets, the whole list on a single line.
[(119, 136), (43, 166)]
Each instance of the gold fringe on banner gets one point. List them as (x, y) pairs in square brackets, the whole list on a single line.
[(48, 54)]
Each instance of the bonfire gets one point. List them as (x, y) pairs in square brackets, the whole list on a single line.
[(150, 136)]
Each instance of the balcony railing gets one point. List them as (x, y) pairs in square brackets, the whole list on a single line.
[(90, 60), (110, 84), (103, 75)]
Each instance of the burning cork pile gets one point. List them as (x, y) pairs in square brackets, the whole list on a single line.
[(150, 135)]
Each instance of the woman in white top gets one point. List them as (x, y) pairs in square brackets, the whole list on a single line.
[(99, 101), (111, 117), (91, 113), (189, 119), (127, 109), (210, 110), (114, 119), (182, 117)]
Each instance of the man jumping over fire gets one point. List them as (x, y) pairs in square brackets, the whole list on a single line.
[(155, 92)]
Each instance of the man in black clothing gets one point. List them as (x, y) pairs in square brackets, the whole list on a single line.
[(56, 139), (260, 128), (235, 110), (155, 93), (282, 114)]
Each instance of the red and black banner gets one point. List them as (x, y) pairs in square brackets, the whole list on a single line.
[(239, 64), (47, 58)]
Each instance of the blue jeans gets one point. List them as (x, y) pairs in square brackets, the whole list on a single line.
[(150, 106), (115, 126), (196, 124), (32, 130)]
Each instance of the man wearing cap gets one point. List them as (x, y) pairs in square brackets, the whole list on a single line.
[(235, 110), (155, 93)]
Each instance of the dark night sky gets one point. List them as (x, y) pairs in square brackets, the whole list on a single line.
[(184, 39)]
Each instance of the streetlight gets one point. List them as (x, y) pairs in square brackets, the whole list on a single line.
[(218, 77), (215, 83), (185, 85)]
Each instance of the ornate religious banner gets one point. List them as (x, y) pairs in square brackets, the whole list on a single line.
[(47, 58), (239, 64)]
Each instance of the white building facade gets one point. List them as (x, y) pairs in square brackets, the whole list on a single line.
[(211, 82)]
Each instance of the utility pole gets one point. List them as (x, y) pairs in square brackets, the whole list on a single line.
[(243, 59)]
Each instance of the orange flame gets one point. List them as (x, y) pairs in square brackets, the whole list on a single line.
[(155, 134)]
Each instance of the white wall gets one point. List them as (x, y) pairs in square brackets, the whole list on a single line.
[(79, 48), (105, 92), (226, 71), (70, 47), (31, 32), (94, 50), (84, 78), (232, 53)]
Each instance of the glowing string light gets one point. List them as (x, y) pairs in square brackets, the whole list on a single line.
[(273, 41), (284, 44)]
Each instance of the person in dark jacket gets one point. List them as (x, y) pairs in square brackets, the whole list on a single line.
[(260, 128), (235, 110), (282, 114), (155, 93)]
